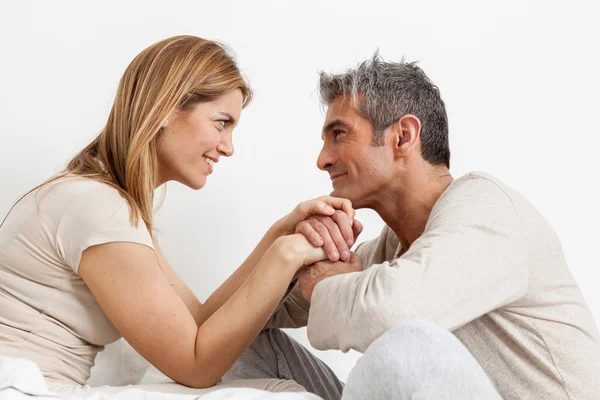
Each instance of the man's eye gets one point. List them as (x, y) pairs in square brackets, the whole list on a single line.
[(337, 132), (222, 123)]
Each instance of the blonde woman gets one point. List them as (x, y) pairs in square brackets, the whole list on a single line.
[(80, 267)]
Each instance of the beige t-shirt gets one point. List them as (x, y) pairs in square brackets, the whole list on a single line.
[(47, 313), (489, 268)]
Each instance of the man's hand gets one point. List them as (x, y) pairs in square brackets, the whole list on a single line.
[(313, 274), (337, 233)]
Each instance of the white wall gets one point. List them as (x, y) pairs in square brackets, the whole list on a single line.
[(520, 80)]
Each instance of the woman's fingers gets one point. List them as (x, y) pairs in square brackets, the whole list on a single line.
[(339, 203), (325, 205), (312, 207)]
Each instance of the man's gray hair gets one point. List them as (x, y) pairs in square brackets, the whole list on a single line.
[(383, 92)]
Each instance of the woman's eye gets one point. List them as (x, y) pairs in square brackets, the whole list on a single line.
[(222, 123)]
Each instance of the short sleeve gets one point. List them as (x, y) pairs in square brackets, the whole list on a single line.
[(97, 215)]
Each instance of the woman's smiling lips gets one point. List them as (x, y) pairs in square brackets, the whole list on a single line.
[(210, 162)]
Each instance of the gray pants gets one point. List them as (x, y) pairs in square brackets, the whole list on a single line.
[(415, 360)]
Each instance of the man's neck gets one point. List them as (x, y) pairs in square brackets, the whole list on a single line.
[(406, 208)]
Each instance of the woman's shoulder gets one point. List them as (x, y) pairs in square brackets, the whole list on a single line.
[(92, 213), (77, 186), (82, 199), (71, 189)]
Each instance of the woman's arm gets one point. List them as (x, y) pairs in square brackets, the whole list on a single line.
[(334, 240), (133, 291), (199, 311), (183, 291)]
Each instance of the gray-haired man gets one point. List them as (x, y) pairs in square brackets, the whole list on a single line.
[(469, 255)]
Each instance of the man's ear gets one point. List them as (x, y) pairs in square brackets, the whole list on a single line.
[(405, 134)]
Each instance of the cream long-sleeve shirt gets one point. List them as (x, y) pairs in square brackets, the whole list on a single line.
[(489, 268)]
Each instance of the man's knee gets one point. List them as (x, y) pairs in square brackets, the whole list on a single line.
[(415, 358), (420, 340), (413, 344), (403, 352), (416, 331)]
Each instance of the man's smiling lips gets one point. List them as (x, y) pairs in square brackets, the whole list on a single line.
[(333, 177)]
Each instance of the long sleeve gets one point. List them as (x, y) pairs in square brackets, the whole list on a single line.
[(469, 261), (292, 311)]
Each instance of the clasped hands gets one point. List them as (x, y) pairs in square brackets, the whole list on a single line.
[(326, 231)]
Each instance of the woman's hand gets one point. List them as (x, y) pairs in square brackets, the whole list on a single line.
[(295, 251), (334, 232), (324, 205)]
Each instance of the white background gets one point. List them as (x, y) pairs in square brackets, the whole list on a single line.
[(519, 78)]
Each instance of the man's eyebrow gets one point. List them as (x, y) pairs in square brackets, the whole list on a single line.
[(229, 116), (333, 124)]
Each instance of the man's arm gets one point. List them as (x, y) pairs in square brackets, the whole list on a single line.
[(292, 311), (469, 261)]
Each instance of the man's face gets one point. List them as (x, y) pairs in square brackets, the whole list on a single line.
[(358, 170)]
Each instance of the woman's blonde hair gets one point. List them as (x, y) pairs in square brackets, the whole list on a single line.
[(176, 72)]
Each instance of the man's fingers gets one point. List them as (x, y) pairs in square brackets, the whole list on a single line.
[(337, 237), (356, 262), (305, 228), (357, 228), (328, 244), (308, 274), (345, 226)]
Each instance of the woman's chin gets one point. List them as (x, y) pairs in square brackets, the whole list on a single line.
[(198, 185), (195, 183)]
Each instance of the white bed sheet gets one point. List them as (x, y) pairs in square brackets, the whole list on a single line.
[(21, 379)]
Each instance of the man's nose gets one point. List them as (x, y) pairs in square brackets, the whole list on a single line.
[(325, 159)]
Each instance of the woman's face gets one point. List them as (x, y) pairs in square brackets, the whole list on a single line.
[(193, 140)]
